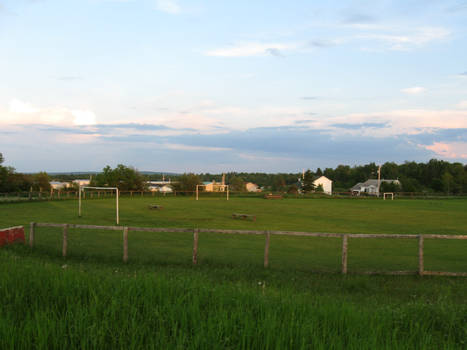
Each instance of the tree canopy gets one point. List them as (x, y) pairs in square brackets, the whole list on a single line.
[(124, 177)]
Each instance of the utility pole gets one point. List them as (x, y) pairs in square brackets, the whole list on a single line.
[(379, 178)]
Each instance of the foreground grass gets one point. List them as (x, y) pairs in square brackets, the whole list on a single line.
[(229, 301), (50, 304)]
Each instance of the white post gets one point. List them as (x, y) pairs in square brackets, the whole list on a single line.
[(79, 208), (197, 192), (227, 192), (116, 191)]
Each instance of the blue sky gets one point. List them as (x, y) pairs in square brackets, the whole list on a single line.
[(174, 85)]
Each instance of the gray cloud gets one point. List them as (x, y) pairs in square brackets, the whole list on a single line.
[(360, 126), (257, 149), (357, 18), (320, 43), (309, 98), (304, 121), (464, 74), (274, 52)]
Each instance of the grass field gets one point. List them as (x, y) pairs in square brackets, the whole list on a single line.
[(159, 300)]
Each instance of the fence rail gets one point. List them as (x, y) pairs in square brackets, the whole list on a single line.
[(344, 236)]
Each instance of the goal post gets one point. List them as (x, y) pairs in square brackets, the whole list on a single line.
[(82, 188), (385, 194), (225, 188)]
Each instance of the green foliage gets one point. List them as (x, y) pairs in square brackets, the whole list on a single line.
[(187, 183), (123, 177), (308, 185), (293, 189), (41, 181), (319, 188), (389, 187), (237, 184)]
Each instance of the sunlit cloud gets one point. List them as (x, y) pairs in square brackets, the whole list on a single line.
[(20, 107), (451, 150)]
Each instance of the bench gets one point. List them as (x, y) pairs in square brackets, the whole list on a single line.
[(244, 216), (155, 206), (273, 196)]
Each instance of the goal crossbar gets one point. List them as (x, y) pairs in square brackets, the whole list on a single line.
[(82, 188)]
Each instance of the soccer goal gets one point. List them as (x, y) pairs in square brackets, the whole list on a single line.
[(385, 194), (225, 188), (81, 190)]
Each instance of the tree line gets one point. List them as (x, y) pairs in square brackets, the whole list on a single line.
[(432, 176)]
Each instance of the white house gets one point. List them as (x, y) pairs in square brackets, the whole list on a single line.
[(251, 187), (370, 186), (325, 183)]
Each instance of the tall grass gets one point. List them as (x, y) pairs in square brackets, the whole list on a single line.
[(49, 305)]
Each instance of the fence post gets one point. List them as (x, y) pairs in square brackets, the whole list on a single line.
[(65, 240), (31, 233), (195, 246), (266, 249), (344, 253), (420, 255), (125, 244)]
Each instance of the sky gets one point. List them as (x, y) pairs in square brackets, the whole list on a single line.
[(217, 86)]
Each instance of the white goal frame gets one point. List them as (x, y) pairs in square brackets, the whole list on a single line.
[(81, 189), (387, 193), (225, 187)]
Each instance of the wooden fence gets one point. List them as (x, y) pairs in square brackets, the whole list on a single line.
[(344, 236)]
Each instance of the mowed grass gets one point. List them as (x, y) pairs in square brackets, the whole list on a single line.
[(229, 301), (304, 253)]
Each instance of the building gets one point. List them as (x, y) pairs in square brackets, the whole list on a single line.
[(160, 186), (251, 187), (325, 183), (82, 182), (58, 185), (370, 187), (215, 186)]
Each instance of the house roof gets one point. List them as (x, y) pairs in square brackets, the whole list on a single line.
[(373, 182)]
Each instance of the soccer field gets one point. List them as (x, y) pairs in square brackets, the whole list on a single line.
[(306, 253)]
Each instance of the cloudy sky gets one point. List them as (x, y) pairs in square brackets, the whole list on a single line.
[(191, 85)]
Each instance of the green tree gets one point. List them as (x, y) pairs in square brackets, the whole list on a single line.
[(447, 181), (41, 181), (187, 182), (237, 184), (308, 185), (124, 177)]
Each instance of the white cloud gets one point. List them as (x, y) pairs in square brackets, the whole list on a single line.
[(21, 112), (252, 49), (17, 106), (168, 6), (83, 117), (416, 90), (462, 105), (409, 39)]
